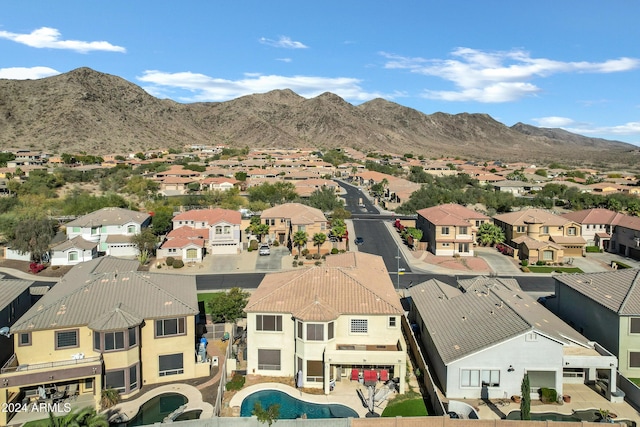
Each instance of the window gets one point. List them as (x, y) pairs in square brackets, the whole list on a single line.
[(491, 378), (131, 229), (133, 338), (392, 321), (463, 247), (330, 332), (96, 341), (314, 371), (268, 360), (227, 229), (301, 228), (72, 256), (192, 253), (170, 364), (531, 336), (76, 229), (634, 327), (463, 230), (169, 327), (218, 230), (133, 377), (315, 331), (300, 330), (571, 231), (359, 326), (66, 339), (445, 245), (94, 231), (521, 229), (470, 378), (24, 339), (547, 255), (544, 229), (113, 341), (634, 359), (479, 222), (115, 380), (88, 383), (266, 322), (445, 231)]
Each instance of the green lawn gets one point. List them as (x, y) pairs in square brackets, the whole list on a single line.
[(208, 296), (410, 404), (636, 381), (37, 423), (545, 269)]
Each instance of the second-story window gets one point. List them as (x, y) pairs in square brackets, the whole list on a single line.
[(359, 326), (266, 322), (170, 327), (571, 231), (66, 339), (315, 332), (445, 231), (463, 230)]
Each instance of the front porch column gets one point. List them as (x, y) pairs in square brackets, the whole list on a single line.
[(401, 368), (612, 382), (327, 371)]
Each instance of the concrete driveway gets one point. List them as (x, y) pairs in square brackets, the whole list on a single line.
[(500, 264), (246, 262)]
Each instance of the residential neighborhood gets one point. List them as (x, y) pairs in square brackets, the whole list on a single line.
[(338, 284)]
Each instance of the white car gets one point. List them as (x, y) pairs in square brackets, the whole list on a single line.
[(264, 250)]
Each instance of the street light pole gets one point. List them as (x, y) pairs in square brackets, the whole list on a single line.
[(398, 271)]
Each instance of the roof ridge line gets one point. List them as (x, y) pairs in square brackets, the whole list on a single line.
[(631, 289), (365, 287)]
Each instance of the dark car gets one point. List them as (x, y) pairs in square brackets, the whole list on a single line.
[(358, 241)]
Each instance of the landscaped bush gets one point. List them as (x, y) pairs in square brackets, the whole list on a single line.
[(548, 395), (36, 268), (525, 270), (308, 256), (305, 252), (316, 256), (300, 262), (253, 245), (178, 263), (334, 251), (159, 266), (236, 383), (276, 244), (540, 262), (295, 263), (170, 261), (318, 263), (592, 249), (524, 262), (295, 257)]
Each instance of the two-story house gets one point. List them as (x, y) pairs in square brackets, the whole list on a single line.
[(450, 229), (325, 323), (484, 335), (223, 226), (15, 300), (284, 220), (606, 308), (539, 235), (105, 325), (111, 228), (597, 225), (626, 237)]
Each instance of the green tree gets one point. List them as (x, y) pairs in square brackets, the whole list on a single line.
[(274, 194), (258, 228), (340, 213), (33, 236), (525, 401), (145, 242), (269, 415), (338, 228), (240, 176), (319, 239), (109, 397), (83, 417), (300, 239), (490, 234), (141, 187), (325, 199), (228, 307)]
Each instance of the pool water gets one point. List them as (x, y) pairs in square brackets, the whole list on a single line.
[(577, 416), (157, 408), (292, 408)]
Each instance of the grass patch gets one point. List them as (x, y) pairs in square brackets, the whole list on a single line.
[(38, 423), (551, 269), (410, 404), (208, 296), (636, 381)]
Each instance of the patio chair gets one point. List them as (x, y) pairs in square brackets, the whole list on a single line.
[(72, 391), (384, 375), (355, 375)]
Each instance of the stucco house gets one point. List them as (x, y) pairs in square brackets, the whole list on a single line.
[(484, 335), (73, 251), (284, 220), (450, 229), (111, 228), (105, 325), (609, 311), (186, 243), (597, 225), (327, 322), (15, 300), (223, 226)]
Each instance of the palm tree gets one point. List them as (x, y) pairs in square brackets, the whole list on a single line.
[(300, 239), (319, 239), (110, 397), (490, 234), (84, 417)]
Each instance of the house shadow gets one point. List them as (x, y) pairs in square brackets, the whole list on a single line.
[(484, 396)]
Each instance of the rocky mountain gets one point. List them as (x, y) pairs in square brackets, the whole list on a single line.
[(88, 111)]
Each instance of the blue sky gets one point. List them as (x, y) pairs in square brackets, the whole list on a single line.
[(573, 64)]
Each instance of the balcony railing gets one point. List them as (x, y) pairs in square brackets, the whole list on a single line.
[(369, 347), (12, 366)]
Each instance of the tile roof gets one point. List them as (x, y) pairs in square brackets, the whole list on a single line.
[(351, 283), (298, 213), (531, 216), (10, 289), (491, 311), (182, 242), (77, 242), (594, 216), (118, 318), (450, 214), (535, 244), (91, 291), (618, 291), (188, 232), (210, 216), (109, 216)]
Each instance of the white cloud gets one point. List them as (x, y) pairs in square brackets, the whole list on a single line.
[(287, 60), (283, 42), (571, 125), (46, 37), (554, 121), (205, 88), (23, 73), (497, 76)]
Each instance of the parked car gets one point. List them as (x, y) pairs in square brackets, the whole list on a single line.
[(358, 241), (264, 250)]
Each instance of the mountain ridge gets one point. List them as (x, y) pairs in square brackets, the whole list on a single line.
[(88, 111)]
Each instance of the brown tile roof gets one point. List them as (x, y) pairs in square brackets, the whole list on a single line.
[(529, 216), (298, 213), (568, 240), (349, 284), (594, 216), (618, 291), (93, 289), (535, 244), (210, 216), (181, 242), (187, 232), (450, 214)]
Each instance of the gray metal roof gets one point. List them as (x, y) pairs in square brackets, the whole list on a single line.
[(492, 311), (118, 318), (618, 291), (10, 289), (90, 294), (77, 242), (109, 216)]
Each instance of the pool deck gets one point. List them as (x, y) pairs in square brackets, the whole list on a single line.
[(582, 397), (345, 393), (129, 409)]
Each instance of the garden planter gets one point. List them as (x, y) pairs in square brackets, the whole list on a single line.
[(566, 398), (516, 399)]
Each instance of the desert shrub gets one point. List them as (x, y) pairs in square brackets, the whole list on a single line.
[(334, 251), (308, 256), (540, 262), (300, 262), (316, 256), (236, 383), (276, 244), (178, 263), (55, 267), (548, 395), (525, 262), (305, 252), (295, 257), (159, 266), (295, 263), (318, 263), (525, 270), (253, 245), (169, 261)]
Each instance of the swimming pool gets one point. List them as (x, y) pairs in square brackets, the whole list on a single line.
[(292, 408), (586, 415), (157, 408)]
